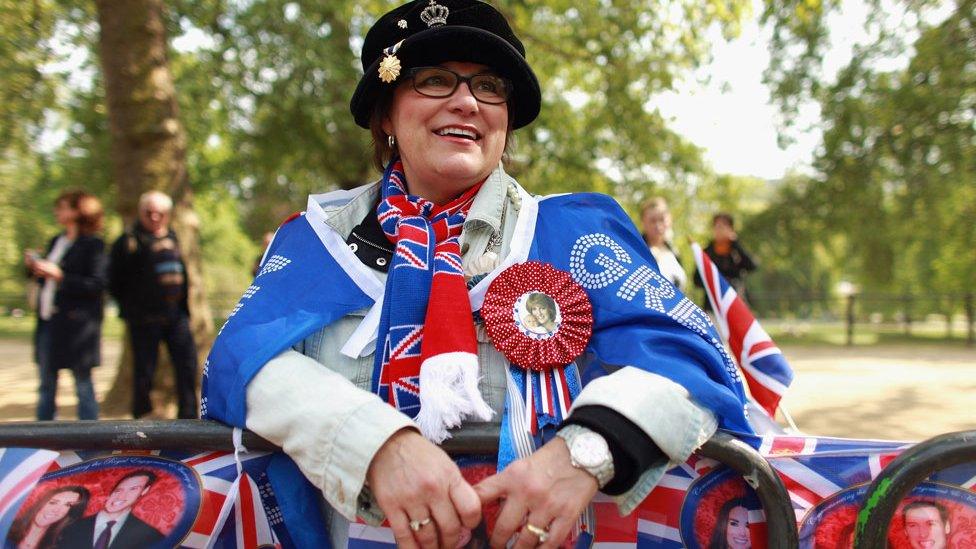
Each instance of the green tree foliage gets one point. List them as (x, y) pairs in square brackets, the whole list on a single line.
[(895, 175), (263, 90)]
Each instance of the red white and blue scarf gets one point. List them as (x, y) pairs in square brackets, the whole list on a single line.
[(426, 352)]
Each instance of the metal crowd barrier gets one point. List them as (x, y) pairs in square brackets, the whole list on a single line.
[(904, 473), (473, 439)]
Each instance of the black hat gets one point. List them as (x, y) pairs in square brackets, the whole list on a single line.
[(428, 32)]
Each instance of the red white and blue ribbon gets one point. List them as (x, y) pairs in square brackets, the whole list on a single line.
[(541, 320)]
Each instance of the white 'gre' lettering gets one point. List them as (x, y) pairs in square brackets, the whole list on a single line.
[(613, 270)]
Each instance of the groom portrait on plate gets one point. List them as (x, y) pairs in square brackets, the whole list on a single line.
[(114, 526)]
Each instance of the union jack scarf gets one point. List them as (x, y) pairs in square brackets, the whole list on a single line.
[(426, 351)]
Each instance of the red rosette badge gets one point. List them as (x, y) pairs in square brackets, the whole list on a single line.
[(537, 316)]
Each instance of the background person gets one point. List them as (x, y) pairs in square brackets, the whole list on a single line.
[(147, 277), (658, 234), (70, 302), (445, 82), (732, 527), (926, 524), (41, 525), (114, 525), (728, 255)]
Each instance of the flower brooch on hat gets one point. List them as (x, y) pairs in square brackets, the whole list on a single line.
[(390, 65), (537, 316)]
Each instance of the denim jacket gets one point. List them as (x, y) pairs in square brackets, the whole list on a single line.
[(314, 401)]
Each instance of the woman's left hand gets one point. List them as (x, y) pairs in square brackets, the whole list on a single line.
[(543, 490), (47, 269)]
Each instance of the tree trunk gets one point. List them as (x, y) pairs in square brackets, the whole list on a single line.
[(148, 152)]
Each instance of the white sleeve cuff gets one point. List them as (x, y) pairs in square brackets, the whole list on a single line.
[(659, 407), (330, 427)]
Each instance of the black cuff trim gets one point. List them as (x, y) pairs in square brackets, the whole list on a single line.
[(633, 450)]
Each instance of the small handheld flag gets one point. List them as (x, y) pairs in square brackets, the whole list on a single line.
[(762, 363)]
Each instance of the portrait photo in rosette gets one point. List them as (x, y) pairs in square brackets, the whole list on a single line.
[(935, 515), (537, 316), (130, 501), (720, 511)]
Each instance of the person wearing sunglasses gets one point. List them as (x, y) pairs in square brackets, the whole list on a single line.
[(364, 338)]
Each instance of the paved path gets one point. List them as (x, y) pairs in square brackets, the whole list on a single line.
[(18, 380), (907, 392)]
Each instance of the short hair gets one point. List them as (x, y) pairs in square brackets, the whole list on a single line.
[(920, 503), (159, 197), (383, 153), (723, 216), (656, 203), (88, 207), (151, 477)]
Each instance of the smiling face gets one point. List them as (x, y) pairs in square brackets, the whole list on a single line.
[(126, 494), (737, 529), (447, 144), (540, 312), (925, 528), (56, 508)]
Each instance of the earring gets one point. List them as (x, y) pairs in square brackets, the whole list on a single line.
[(391, 141)]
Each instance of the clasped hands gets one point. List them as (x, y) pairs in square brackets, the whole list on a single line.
[(429, 504)]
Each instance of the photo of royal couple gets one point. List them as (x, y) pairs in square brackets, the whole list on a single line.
[(103, 505)]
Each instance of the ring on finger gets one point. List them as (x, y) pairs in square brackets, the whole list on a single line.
[(540, 533), (416, 525)]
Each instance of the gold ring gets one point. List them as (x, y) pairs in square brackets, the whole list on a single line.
[(416, 525), (540, 533)]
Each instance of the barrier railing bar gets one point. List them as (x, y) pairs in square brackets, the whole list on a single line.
[(475, 438), (896, 480), (759, 474)]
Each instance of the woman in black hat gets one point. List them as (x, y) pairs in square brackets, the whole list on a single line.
[(387, 310)]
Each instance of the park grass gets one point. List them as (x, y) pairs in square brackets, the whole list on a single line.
[(835, 334)]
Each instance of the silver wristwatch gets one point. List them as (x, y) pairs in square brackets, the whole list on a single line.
[(588, 451)]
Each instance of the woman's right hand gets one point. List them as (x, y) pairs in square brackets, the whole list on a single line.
[(414, 480)]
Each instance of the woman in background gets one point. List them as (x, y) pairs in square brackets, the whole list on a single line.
[(41, 525), (72, 275), (656, 222)]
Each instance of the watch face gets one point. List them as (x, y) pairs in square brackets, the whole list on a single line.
[(590, 450)]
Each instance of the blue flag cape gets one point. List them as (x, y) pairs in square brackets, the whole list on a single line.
[(309, 278)]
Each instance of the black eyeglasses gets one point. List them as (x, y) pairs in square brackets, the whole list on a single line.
[(440, 82)]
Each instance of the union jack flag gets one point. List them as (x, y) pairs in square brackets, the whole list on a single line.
[(231, 509), (412, 243), (762, 363), (396, 385), (20, 469), (681, 511)]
